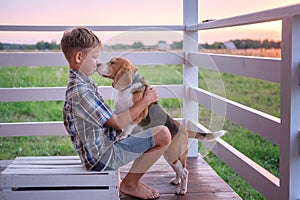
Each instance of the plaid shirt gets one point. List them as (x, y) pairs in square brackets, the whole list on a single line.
[(85, 115)]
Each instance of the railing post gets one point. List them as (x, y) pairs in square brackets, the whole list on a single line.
[(290, 109), (190, 73)]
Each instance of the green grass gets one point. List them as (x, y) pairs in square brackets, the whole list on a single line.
[(261, 95), (11, 147)]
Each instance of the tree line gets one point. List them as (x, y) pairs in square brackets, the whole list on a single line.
[(246, 44), (42, 45), (238, 43)]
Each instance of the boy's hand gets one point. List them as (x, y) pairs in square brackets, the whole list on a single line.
[(150, 95), (120, 121)]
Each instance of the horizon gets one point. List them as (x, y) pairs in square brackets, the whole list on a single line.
[(101, 12), (145, 44)]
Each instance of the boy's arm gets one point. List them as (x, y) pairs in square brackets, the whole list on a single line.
[(122, 120)]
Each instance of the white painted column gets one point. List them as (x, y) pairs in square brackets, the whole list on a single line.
[(190, 73), (290, 110)]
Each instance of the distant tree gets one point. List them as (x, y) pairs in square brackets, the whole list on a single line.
[(138, 45), (40, 45), (46, 45), (276, 45), (177, 45), (1, 46), (203, 46), (246, 44), (121, 47), (255, 44), (217, 45), (29, 47), (53, 45), (271, 44)]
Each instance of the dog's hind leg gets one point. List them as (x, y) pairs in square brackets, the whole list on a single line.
[(177, 168), (184, 175), (181, 178)]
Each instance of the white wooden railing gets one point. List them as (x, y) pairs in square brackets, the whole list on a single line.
[(281, 131)]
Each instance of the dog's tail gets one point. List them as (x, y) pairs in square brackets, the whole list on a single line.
[(206, 136)]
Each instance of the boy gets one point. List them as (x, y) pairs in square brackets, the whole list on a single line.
[(94, 129)]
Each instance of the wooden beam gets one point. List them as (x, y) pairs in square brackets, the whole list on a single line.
[(32, 129), (57, 58), (267, 69), (253, 18), (190, 73), (261, 123), (42, 94), (94, 28), (36, 128), (290, 109), (58, 93)]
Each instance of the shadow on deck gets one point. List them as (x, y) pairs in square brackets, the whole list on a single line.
[(203, 183)]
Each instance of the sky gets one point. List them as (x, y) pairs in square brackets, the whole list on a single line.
[(133, 12)]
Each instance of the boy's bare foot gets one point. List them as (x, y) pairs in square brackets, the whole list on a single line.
[(139, 190), (152, 189)]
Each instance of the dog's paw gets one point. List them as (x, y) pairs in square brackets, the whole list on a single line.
[(175, 181), (181, 191)]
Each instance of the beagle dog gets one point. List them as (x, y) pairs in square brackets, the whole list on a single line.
[(130, 86)]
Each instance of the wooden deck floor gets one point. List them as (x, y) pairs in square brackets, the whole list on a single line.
[(203, 183)]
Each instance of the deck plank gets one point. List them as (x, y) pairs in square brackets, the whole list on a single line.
[(203, 183)]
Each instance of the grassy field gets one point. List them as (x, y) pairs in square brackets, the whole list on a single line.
[(260, 95)]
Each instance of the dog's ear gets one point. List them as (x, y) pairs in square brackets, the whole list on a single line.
[(123, 78)]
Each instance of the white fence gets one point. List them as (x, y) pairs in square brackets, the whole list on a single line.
[(281, 131)]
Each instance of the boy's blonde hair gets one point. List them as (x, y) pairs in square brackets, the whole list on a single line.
[(78, 39)]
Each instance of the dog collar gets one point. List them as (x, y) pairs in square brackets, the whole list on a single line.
[(135, 79)]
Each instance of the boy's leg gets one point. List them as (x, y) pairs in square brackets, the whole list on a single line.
[(131, 184)]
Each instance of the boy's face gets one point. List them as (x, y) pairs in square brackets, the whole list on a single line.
[(90, 61)]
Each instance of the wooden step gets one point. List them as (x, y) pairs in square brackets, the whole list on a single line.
[(56, 177)]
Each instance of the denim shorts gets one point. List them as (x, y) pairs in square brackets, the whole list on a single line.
[(122, 152)]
